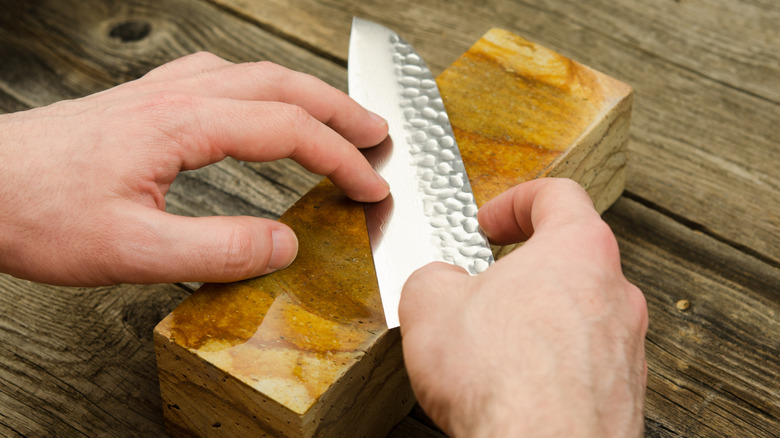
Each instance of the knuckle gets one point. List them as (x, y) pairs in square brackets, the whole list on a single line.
[(270, 66), (171, 113), (297, 124), (567, 183), (283, 84), (300, 117), (566, 186), (603, 242), (204, 57), (434, 275), (239, 257), (638, 308), (417, 280), (168, 102), (182, 65), (274, 73)]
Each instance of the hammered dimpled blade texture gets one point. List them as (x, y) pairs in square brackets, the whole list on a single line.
[(431, 214), (443, 185)]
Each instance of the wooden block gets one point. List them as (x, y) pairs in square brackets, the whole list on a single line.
[(305, 351)]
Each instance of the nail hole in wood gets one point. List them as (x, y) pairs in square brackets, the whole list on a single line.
[(130, 31), (683, 305)]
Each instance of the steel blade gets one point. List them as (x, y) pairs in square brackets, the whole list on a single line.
[(431, 214)]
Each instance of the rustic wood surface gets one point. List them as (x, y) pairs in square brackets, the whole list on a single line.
[(698, 221)]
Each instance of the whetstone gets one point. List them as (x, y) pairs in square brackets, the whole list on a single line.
[(305, 351)]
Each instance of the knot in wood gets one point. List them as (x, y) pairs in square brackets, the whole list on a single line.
[(130, 31)]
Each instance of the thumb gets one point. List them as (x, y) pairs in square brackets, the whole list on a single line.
[(209, 249), (428, 290)]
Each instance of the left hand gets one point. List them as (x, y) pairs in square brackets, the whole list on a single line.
[(83, 182)]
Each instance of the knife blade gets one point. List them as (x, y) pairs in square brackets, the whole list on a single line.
[(431, 214)]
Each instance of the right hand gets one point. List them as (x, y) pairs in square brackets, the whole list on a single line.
[(549, 341)]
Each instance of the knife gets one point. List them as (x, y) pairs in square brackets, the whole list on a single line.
[(431, 214)]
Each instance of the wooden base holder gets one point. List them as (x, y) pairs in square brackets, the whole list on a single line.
[(304, 351)]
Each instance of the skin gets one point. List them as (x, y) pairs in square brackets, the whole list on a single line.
[(549, 341), (84, 181)]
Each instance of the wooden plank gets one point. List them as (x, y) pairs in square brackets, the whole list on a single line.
[(410, 428), (417, 425), (77, 361), (713, 368), (690, 34), (305, 351), (704, 143), (696, 35), (64, 49)]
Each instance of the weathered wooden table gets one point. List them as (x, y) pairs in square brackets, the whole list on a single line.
[(698, 221)]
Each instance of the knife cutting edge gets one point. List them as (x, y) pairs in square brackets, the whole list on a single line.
[(431, 214)]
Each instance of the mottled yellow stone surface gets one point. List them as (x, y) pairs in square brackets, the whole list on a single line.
[(293, 333), (516, 108)]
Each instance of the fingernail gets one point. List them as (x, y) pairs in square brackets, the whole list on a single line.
[(285, 248), (484, 233), (377, 118)]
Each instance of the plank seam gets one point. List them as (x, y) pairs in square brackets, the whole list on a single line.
[(275, 31), (699, 227), (651, 54)]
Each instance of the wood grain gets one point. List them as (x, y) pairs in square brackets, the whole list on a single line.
[(75, 361), (713, 368), (677, 31)]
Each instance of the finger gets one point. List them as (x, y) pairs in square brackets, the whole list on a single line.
[(186, 66), (426, 290), (265, 81), (161, 247), (265, 131), (518, 213)]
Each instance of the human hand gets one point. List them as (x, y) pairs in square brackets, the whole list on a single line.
[(549, 341), (83, 182)]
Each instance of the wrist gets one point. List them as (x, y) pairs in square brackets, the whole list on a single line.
[(511, 408), (531, 422)]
